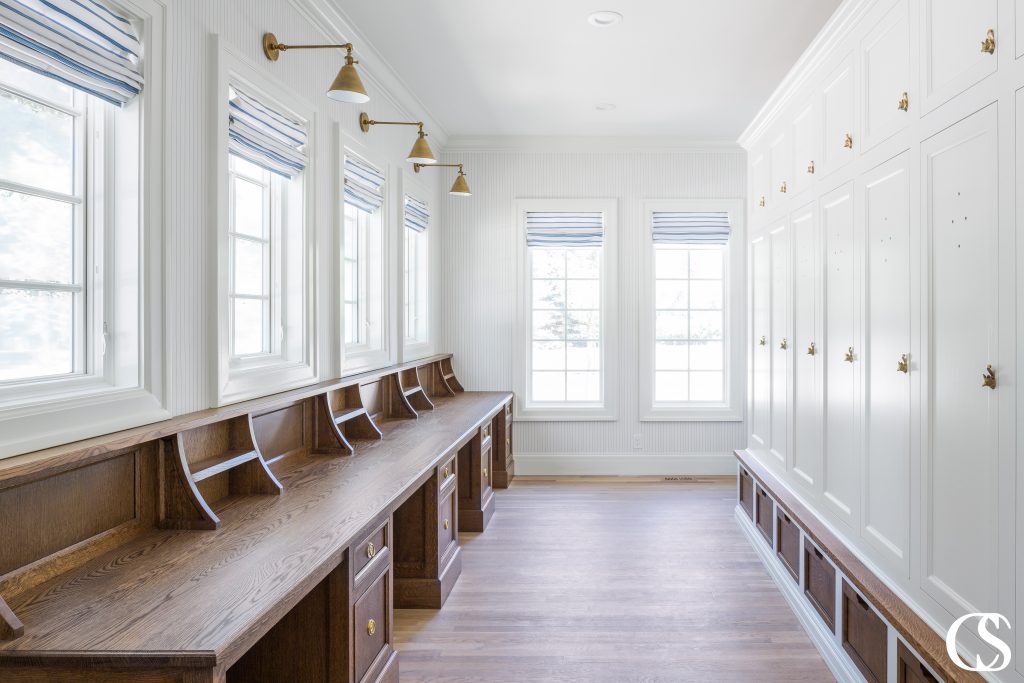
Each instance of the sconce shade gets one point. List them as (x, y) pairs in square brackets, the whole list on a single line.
[(348, 87), (421, 152), (460, 188)]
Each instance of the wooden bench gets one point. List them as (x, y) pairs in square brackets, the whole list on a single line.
[(262, 541)]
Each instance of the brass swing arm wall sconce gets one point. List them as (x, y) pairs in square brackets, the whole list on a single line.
[(346, 87), (460, 188), (420, 153)]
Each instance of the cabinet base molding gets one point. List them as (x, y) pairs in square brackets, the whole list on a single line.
[(429, 593), (476, 520)]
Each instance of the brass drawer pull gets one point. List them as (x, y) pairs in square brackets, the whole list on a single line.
[(903, 365), (371, 550), (812, 349), (904, 103), (988, 46), (371, 627), (849, 357), (445, 524), (988, 379), (848, 142), (445, 473)]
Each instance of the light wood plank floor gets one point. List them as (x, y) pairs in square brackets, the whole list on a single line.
[(603, 580)]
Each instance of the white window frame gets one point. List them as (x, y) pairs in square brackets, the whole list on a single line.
[(525, 408), (731, 409), (239, 379), (121, 385), (414, 347), (365, 357)]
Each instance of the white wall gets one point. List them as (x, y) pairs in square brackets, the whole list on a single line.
[(479, 295), (190, 276)]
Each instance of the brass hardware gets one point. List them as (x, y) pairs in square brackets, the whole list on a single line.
[(445, 524), (903, 365), (784, 345), (761, 203), (763, 341), (988, 45), (346, 87), (849, 355), (444, 473), (370, 550), (783, 189), (460, 188), (848, 142), (371, 627), (904, 103), (989, 378), (485, 473), (810, 167), (420, 153), (811, 350)]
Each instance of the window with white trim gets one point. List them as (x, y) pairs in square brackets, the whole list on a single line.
[(689, 367), (417, 320), (568, 312)]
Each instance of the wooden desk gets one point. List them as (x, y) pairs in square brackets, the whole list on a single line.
[(292, 583)]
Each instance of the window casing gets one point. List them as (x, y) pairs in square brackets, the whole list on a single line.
[(691, 322), (565, 362), (416, 287)]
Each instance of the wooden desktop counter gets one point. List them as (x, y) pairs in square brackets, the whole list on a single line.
[(268, 540)]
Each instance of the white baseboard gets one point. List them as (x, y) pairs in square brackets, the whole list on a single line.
[(837, 661), (626, 465)]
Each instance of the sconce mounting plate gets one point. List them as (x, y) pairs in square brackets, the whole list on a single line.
[(364, 122), (270, 48)]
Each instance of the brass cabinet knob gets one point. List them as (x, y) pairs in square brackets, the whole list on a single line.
[(988, 378), (810, 167), (784, 344), (903, 365), (445, 524), (848, 142), (445, 473), (371, 550), (782, 188), (371, 627), (904, 103), (849, 355), (812, 349), (763, 341), (485, 473), (761, 203), (988, 45)]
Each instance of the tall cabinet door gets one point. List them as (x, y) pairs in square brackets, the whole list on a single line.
[(782, 166), (760, 179), (806, 349), (837, 104), (841, 477), (951, 40), (961, 466), (761, 360), (887, 361), (885, 54), (805, 145), (779, 341)]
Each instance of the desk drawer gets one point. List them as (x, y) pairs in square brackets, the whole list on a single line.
[(910, 669), (747, 493), (508, 411), (865, 636), (446, 473), (485, 433), (372, 626), (447, 522), (765, 514), (820, 584), (485, 471), (788, 535), (373, 546)]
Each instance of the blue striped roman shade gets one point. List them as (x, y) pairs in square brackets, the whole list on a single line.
[(690, 227), (363, 185), (564, 228), (416, 214), (261, 135), (82, 43)]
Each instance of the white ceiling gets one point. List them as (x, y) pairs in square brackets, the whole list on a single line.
[(698, 69)]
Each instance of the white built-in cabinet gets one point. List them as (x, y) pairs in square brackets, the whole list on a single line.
[(884, 281)]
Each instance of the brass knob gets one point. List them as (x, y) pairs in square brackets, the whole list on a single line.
[(508, 443), (988, 379), (849, 355), (485, 473), (445, 524), (784, 345), (811, 350), (904, 103), (988, 45), (848, 142), (763, 341), (761, 203), (782, 188), (444, 473), (810, 167), (371, 550), (371, 627), (903, 365)]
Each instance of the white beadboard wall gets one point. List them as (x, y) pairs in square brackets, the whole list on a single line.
[(479, 294), (189, 283)]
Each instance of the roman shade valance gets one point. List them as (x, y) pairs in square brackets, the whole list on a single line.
[(690, 227), (417, 216), (363, 185), (267, 138), (564, 228), (85, 44)]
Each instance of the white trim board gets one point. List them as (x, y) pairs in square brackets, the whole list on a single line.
[(625, 464)]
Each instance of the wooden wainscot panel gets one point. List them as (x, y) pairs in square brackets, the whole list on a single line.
[(820, 584), (788, 535), (746, 492), (765, 514), (910, 669), (865, 636)]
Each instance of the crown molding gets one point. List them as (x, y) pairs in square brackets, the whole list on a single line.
[(331, 20), (591, 144), (822, 48)]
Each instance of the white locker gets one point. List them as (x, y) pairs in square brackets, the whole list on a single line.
[(806, 349), (838, 117), (779, 342), (885, 55), (760, 390), (887, 361), (954, 55), (841, 476), (805, 133), (782, 166)]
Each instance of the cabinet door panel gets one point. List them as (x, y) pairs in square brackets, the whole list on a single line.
[(760, 178), (782, 166), (805, 146), (838, 116), (841, 470), (951, 55), (779, 240), (760, 391), (961, 493), (886, 59), (886, 518), (806, 447)]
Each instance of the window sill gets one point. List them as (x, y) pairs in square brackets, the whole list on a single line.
[(244, 384), (414, 350), (690, 415), (566, 415)]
